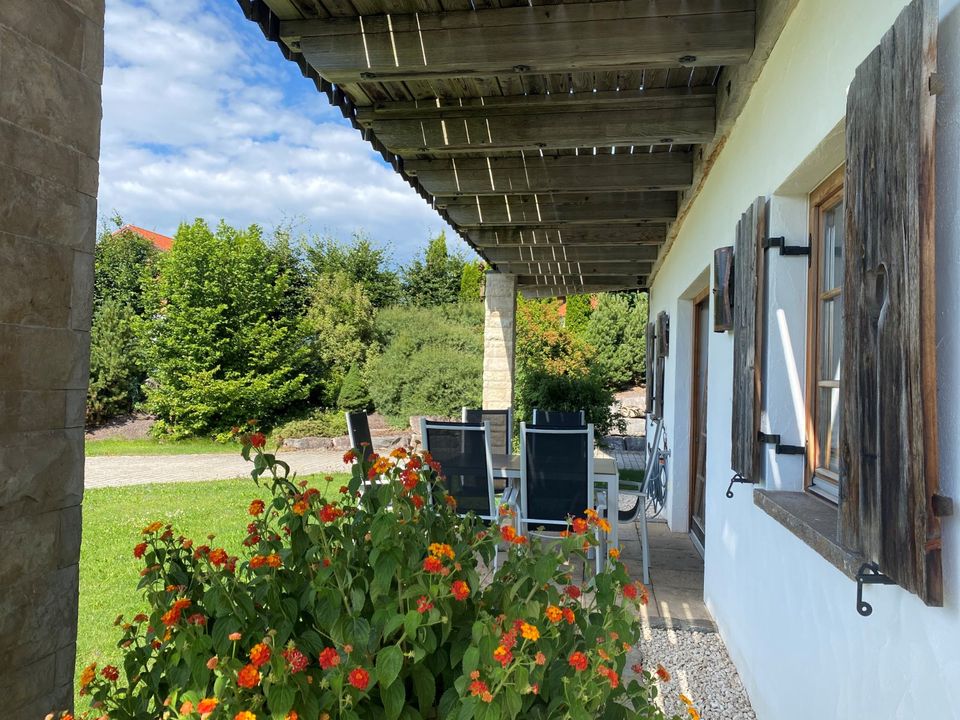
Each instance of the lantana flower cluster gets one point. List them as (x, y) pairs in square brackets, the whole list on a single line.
[(374, 599)]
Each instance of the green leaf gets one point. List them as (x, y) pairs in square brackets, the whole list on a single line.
[(471, 658), (393, 697), (280, 698), (425, 686), (389, 664)]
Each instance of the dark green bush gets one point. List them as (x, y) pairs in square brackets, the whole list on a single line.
[(471, 281), (617, 331), (318, 423), (589, 392), (432, 362), (116, 365), (354, 395), (122, 261), (579, 309)]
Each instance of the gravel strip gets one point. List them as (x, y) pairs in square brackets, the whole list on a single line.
[(700, 668)]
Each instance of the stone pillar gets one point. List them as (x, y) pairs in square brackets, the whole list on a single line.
[(499, 334), (51, 66)]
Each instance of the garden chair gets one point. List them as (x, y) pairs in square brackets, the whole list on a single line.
[(501, 434), (556, 480), (560, 418), (463, 452), (358, 428)]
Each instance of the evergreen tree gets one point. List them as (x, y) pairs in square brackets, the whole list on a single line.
[(116, 366), (617, 331), (434, 279), (362, 261), (121, 262), (579, 309), (471, 281)]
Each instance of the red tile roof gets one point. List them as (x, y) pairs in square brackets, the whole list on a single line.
[(161, 242)]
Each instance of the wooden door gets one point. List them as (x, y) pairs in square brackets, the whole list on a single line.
[(698, 419)]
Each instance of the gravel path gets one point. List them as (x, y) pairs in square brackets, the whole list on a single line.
[(120, 470), (700, 668)]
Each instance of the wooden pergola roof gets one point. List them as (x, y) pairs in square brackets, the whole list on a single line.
[(557, 138)]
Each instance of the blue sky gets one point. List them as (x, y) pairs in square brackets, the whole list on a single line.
[(202, 117)]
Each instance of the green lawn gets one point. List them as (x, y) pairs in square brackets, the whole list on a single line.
[(112, 521), (152, 446)]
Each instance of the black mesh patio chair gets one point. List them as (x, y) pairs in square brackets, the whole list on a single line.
[(559, 418), (463, 451), (556, 479), (501, 427), (359, 431)]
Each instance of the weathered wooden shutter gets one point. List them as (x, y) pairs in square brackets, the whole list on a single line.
[(747, 340), (663, 349), (651, 388), (723, 289), (888, 446)]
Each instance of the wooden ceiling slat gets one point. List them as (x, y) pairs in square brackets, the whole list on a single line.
[(605, 36), (575, 268), (568, 236), (546, 291), (601, 254), (531, 210), (443, 177)]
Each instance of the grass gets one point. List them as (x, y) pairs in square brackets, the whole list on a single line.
[(153, 446), (112, 521)]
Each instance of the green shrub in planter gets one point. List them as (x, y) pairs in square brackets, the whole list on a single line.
[(354, 395), (319, 423), (372, 606)]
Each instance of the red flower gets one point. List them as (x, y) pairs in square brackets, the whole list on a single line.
[(329, 513), (259, 654), (663, 673), (502, 655), (329, 658), (579, 525), (409, 478), (569, 616), (218, 556), (295, 659), (578, 661), (256, 507), (207, 705), (110, 673), (417, 501), (460, 590), (359, 678), (172, 616), (424, 605), (349, 456), (139, 550), (197, 619), (432, 565), (248, 677), (258, 440), (479, 688), (573, 591), (611, 676), (630, 591)]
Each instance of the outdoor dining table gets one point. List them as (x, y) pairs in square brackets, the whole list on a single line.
[(605, 477)]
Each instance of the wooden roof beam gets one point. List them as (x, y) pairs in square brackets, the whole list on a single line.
[(536, 173), (576, 288), (538, 122), (597, 36), (597, 254), (575, 269), (568, 235), (583, 208)]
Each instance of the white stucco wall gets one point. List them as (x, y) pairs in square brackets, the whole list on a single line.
[(787, 616)]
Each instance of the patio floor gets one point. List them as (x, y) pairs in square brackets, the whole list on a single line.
[(676, 577)]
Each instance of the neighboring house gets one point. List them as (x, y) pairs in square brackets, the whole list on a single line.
[(160, 242), (800, 131)]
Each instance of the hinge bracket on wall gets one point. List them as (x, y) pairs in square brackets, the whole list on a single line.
[(738, 478), (869, 574), (791, 250), (781, 449)]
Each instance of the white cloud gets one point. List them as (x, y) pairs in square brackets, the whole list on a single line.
[(203, 118)]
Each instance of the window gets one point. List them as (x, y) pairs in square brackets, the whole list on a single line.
[(825, 336)]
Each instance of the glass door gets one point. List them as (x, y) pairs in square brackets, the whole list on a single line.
[(698, 421)]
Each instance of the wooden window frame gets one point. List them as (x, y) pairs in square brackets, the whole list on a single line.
[(824, 198)]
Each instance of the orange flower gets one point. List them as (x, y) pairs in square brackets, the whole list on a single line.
[(207, 706), (248, 677), (663, 673), (579, 526), (244, 715), (611, 676), (540, 658), (274, 561), (603, 525), (152, 528), (569, 616), (506, 511), (88, 674), (359, 678), (300, 507), (218, 556), (256, 507), (460, 590), (614, 554), (292, 715), (186, 708), (578, 661), (417, 501), (530, 632), (508, 533), (479, 688), (234, 636), (554, 614), (259, 655), (502, 655), (441, 550), (630, 591), (452, 503)]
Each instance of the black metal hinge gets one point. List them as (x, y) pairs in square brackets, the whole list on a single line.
[(869, 574), (781, 449), (738, 478), (791, 250)]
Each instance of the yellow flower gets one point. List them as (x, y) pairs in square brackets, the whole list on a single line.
[(614, 553), (603, 525), (530, 632), (685, 700), (440, 550), (554, 614), (694, 715)]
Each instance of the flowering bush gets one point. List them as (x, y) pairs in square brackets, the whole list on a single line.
[(374, 602)]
